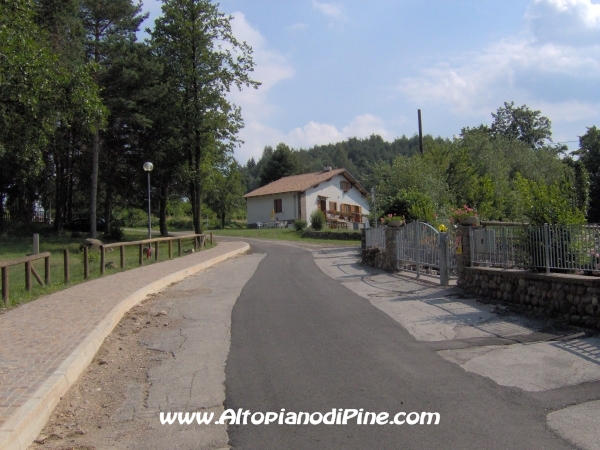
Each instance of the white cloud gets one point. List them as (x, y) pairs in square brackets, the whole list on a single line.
[(576, 22), (584, 10), (270, 69), (477, 81), (273, 68), (532, 68), (569, 111), (332, 10)]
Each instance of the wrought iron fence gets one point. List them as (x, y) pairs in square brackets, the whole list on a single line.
[(420, 248), (375, 237), (417, 243), (568, 248)]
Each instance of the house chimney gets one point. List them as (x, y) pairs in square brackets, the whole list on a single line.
[(327, 169)]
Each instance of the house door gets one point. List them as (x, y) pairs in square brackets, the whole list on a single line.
[(323, 206)]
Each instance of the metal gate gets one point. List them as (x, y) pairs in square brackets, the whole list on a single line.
[(422, 249)]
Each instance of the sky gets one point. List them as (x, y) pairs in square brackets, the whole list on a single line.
[(352, 68)]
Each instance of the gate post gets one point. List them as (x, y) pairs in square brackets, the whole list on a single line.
[(443, 254), (391, 243)]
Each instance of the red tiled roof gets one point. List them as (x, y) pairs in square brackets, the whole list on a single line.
[(300, 183)]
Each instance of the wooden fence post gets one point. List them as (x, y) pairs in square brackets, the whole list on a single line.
[(155, 250), (122, 256), (179, 246), (67, 274), (170, 249), (102, 256), (28, 276), (211, 238), (47, 270), (5, 286), (86, 263)]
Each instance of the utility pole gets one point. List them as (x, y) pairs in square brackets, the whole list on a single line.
[(420, 134)]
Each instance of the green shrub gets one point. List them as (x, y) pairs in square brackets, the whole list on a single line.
[(300, 225), (115, 233), (93, 256), (180, 223), (413, 205), (317, 220)]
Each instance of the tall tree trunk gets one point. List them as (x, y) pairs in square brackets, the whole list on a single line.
[(1, 212), (94, 193), (108, 203), (95, 147), (58, 200), (69, 187), (164, 191)]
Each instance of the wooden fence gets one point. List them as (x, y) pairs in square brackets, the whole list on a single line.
[(29, 270), (144, 246), (199, 240)]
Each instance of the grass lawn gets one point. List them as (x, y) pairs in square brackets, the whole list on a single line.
[(282, 234), (12, 247)]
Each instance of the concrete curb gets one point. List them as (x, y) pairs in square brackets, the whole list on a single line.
[(19, 432)]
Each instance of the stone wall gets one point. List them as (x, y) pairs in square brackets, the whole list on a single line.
[(573, 298), (381, 258)]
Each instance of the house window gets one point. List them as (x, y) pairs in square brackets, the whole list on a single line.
[(345, 185), (278, 205), (346, 208), (333, 206)]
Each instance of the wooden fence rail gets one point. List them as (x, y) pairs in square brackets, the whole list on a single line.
[(29, 270), (199, 240)]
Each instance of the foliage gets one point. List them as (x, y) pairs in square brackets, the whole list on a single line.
[(392, 218), (42, 92), (282, 163), (115, 233), (589, 155), (355, 154), (300, 225), (225, 191), (203, 60), (317, 220), (410, 205), (547, 203), (521, 123), (478, 169)]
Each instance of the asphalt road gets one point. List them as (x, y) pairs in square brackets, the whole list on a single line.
[(303, 342)]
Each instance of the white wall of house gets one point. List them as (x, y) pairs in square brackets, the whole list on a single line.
[(332, 190), (259, 208)]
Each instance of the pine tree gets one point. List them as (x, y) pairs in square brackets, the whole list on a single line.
[(203, 61), (108, 24)]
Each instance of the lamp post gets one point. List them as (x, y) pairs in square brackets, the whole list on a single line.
[(148, 166)]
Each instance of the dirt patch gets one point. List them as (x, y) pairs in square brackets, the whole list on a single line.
[(90, 409)]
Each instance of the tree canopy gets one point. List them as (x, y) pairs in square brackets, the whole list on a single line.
[(521, 123)]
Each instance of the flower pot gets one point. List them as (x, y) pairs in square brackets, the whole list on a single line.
[(395, 223), (469, 221)]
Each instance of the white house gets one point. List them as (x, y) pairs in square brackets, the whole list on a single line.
[(297, 196)]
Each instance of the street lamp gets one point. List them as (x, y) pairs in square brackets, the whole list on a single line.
[(148, 166)]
